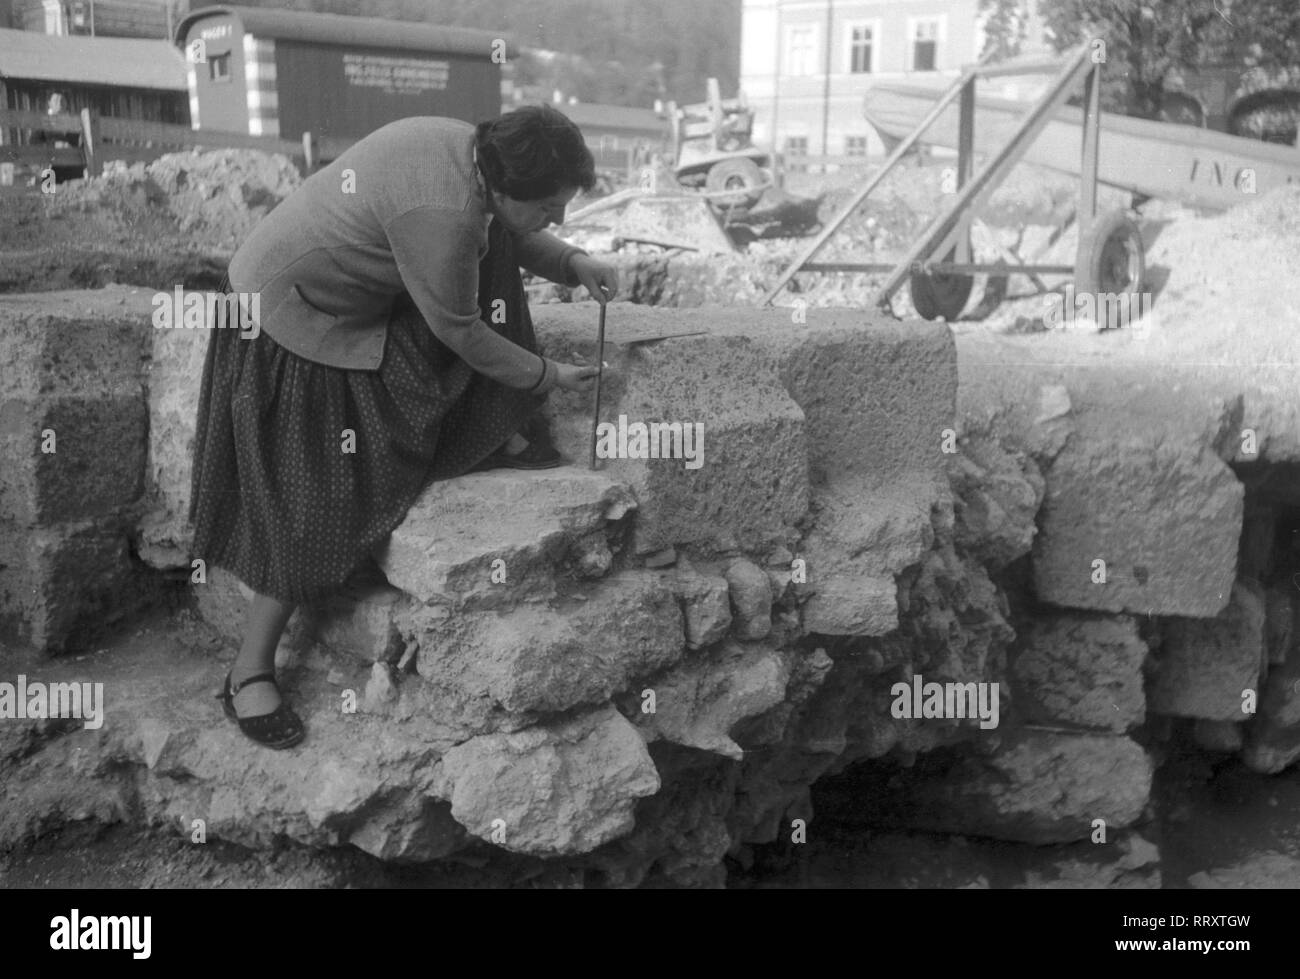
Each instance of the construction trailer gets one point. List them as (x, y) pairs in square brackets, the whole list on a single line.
[(284, 73)]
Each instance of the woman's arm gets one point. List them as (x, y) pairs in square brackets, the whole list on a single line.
[(557, 260), (436, 250), (542, 253)]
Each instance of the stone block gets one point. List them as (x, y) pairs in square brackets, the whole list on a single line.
[(551, 657), (491, 539), (551, 790), (1085, 670), (1206, 665)]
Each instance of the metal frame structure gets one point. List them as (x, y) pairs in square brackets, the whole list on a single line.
[(949, 232)]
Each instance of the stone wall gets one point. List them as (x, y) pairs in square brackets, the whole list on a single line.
[(638, 671)]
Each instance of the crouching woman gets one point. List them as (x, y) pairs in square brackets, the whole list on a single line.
[(395, 349)]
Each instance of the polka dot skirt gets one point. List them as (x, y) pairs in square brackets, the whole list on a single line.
[(302, 470)]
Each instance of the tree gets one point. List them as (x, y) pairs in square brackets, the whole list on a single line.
[(1004, 28), (1148, 42)]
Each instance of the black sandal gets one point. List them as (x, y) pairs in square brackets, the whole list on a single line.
[(281, 728), (537, 455)]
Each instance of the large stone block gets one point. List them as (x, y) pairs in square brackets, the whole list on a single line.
[(747, 485), (563, 788), (1164, 518), (1134, 461), (862, 536), (70, 457), (876, 393), (1081, 670), (88, 343), (60, 587), (1206, 665), (491, 539), (699, 701), (540, 658)]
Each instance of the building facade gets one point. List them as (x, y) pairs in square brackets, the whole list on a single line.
[(805, 64)]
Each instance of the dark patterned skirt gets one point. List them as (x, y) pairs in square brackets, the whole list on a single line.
[(276, 500)]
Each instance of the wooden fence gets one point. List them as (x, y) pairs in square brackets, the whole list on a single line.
[(89, 140)]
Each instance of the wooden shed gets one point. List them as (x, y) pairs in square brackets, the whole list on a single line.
[(283, 73), (125, 78)]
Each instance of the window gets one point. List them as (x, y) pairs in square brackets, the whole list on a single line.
[(925, 45), (855, 146), (861, 39), (801, 49), (219, 67), (795, 147)]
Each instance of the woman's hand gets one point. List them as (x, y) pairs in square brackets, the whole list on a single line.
[(571, 377), (600, 278)]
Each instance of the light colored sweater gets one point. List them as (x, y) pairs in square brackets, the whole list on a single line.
[(403, 209)]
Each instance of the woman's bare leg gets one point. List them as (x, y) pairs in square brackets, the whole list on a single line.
[(266, 620)]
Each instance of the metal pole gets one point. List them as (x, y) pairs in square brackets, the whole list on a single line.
[(776, 80), (826, 88), (600, 371)]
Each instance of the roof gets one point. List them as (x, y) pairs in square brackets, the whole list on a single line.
[(600, 116), (375, 32), (126, 62)]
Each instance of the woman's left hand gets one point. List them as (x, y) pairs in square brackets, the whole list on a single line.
[(600, 278)]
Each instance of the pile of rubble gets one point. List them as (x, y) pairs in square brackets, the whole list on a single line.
[(213, 198)]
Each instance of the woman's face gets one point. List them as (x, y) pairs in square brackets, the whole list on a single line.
[(525, 217)]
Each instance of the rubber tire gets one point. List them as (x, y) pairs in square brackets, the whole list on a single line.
[(935, 295), (1096, 264), (726, 171)]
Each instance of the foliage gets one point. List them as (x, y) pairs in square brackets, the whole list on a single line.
[(1149, 42)]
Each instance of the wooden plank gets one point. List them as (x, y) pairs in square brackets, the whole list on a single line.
[(1091, 149), (54, 156), (62, 123), (90, 143)]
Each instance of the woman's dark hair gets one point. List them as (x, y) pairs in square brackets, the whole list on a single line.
[(534, 152)]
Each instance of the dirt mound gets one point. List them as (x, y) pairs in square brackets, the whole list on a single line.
[(214, 198), (1230, 279), (174, 221)]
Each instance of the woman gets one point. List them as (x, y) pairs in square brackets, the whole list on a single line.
[(395, 348)]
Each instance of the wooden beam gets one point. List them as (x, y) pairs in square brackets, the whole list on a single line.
[(90, 142)]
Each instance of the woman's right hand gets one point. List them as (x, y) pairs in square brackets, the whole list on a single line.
[(571, 377)]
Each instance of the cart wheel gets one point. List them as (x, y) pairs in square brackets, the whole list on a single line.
[(741, 176), (936, 294), (1110, 259)]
